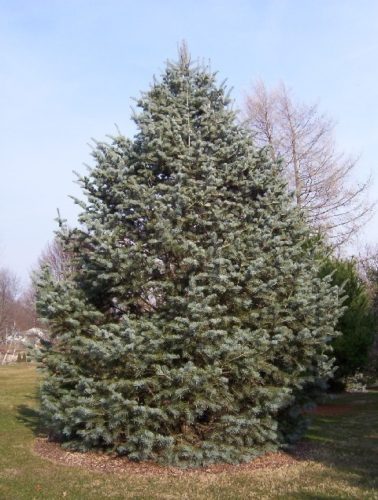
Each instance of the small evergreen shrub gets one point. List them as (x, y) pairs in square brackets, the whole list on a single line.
[(357, 323)]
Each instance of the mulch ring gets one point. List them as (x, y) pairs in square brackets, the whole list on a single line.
[(332, 410), (106, 463)]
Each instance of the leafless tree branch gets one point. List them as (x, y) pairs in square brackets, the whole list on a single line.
[(316, 172)]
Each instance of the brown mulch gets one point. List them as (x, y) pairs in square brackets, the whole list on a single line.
[(106, 463), (332, 410)]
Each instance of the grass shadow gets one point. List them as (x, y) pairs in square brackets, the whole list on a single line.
[(348, 440), (31, 418)]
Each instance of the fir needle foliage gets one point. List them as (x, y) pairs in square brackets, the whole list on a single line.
[(192, 317)]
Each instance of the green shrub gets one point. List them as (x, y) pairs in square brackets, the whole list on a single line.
[(357, 323)]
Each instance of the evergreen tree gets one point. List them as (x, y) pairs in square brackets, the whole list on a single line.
[(192, 316), (357, 323)]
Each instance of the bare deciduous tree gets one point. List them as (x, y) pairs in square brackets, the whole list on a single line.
[(25, 310), (8, 291), (316, 172), (56, 259)]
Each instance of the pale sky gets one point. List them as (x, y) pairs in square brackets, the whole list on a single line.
[(69, 70)]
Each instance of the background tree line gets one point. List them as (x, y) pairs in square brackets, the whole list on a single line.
[(17, 303), (17, 306)]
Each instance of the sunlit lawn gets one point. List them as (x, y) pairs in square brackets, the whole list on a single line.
[(343, 464)]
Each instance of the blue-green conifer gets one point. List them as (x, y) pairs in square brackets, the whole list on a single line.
[(191, 317)]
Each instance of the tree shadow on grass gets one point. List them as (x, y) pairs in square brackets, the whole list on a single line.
[(346, 441), (31, 418)]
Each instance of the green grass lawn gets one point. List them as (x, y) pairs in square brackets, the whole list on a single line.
[(343, 461)]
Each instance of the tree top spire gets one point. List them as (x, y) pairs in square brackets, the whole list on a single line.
[(184, 55)]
